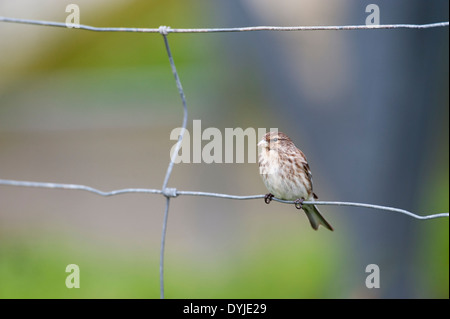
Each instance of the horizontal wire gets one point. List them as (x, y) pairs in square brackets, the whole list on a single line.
[(206, 194), (167, 30), (78, 187)]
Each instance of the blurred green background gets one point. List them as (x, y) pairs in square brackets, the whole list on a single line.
[(369, 109)]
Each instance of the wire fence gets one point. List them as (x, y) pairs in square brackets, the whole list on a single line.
[(164, 30), (170, 193)]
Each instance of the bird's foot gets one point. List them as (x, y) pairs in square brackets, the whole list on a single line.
[(268, 198), (299, 203)]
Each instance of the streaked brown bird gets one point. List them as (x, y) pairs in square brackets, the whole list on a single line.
[(286, 173)]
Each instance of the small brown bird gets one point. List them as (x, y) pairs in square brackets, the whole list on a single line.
[(287, 176)]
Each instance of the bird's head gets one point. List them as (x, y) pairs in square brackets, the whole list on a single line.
[(275, 141)]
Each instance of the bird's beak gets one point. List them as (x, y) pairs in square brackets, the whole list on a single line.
[(263, 143)]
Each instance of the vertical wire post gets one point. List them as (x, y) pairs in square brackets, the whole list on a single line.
[(163, 243), (170, 192), (164, 31)]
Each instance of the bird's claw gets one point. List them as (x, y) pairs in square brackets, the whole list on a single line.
[(299, 203), (268, 198)]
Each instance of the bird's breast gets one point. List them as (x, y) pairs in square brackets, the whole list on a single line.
[(281, 178)]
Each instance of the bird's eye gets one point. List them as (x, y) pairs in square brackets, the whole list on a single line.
[(275, 139)]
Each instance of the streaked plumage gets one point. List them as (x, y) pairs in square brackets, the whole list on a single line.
[(286, 174)]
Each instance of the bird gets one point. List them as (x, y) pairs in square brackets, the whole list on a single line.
[(286, 174)]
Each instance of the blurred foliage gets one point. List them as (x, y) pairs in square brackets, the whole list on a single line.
[(37, 270), (82, 49), (436, 275)]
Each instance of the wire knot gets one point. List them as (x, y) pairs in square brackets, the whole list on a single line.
[(170, 192), (164, 30)]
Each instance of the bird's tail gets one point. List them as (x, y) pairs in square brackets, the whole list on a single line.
[(315, 218)]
